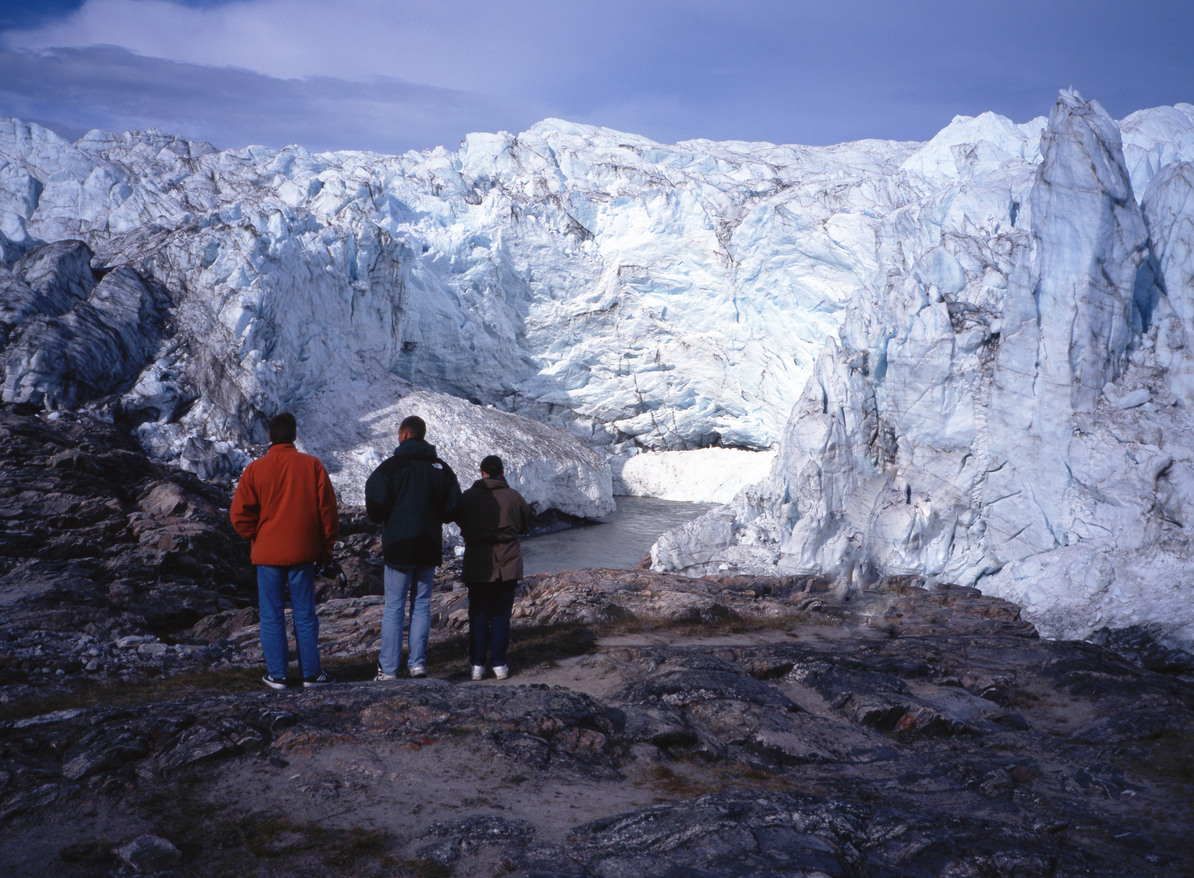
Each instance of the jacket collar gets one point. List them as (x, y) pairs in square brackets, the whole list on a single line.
[(416, 448)]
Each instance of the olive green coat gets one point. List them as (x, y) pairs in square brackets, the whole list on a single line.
[(491, 516)]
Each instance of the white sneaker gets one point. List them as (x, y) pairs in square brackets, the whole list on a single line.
[(501, 671), (418, 671), (383, 677), (478, 672)]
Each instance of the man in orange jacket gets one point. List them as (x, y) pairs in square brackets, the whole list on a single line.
[(286, 506)]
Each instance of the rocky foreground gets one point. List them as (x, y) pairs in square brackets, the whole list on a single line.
[(653, 726)]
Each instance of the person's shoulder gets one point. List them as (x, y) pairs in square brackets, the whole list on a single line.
[(264, 463), (291, 452), (314, 462), (391, 463)]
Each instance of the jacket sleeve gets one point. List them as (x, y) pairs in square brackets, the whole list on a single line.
[(525, 515), (329, 511), (452, 504), (379, 495), (246, 507)]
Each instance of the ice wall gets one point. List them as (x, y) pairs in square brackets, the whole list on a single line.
[(668, 296), (1012, 411)]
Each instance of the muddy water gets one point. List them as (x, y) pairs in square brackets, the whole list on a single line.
[(619, 541)]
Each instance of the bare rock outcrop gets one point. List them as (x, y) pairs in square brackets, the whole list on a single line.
[(103, 552), (822, 747)]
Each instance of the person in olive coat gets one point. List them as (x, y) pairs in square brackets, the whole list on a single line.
[(491, 516)]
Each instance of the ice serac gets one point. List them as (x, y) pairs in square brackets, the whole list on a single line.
[(1009, 411), (1168, 208), (1050, 481)]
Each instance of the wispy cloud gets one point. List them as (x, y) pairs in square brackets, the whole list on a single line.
[(75, 90), (393, 74), (457, 44)]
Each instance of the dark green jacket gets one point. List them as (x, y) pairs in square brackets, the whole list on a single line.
[(413, 493)]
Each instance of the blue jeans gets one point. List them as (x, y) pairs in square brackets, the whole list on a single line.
[(489, 608), (393, 620), (272, 584)]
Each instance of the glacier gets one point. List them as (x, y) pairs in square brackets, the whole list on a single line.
[(668, 297), (966, 359), (1012, 409), (637, 296)]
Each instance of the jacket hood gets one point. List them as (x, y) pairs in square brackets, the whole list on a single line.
[(416, 448), (491, 484)]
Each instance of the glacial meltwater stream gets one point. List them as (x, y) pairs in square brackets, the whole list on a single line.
[(619, 541)]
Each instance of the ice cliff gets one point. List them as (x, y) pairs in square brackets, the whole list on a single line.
[(636, 295), (969, 357), (1012, 408)]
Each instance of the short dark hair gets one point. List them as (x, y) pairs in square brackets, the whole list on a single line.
[(492, 466), (414, 425), (282, 428)]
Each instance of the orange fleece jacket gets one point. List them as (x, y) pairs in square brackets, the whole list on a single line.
[(286, 506)]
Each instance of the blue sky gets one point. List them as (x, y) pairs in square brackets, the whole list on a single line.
[(391, 75)]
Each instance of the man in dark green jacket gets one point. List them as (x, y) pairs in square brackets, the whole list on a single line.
[(491, 516), (413, 493)]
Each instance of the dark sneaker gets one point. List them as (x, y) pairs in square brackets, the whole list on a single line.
[(273, 683), (322, 680)]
